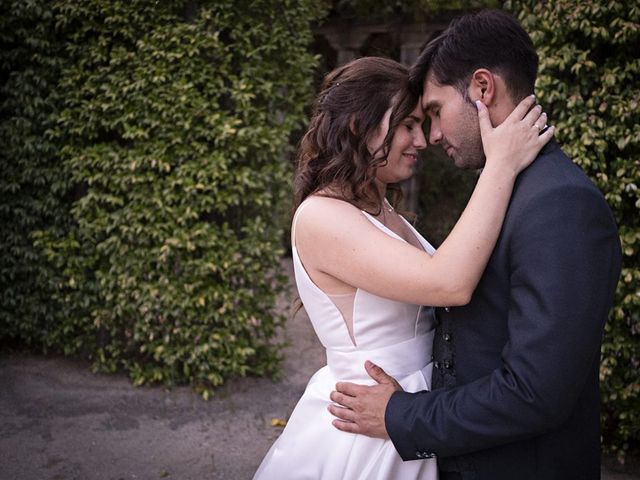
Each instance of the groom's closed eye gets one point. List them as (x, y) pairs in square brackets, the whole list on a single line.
[(432, 107)]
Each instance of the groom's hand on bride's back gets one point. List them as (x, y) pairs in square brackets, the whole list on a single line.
[(360, 408)]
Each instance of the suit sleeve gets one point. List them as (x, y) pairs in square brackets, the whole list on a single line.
[(565, 262)]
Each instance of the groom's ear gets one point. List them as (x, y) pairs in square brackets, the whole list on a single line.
[(483, 87)]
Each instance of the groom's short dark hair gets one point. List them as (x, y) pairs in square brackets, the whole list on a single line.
[(490, 39)]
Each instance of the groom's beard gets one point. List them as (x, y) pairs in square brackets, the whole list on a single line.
[(466, 141)]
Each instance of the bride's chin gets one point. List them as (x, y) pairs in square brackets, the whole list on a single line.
[(411, 171)]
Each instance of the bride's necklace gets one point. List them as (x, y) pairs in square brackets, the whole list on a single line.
[(388, 206)]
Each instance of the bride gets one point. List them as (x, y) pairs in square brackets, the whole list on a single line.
[(362, 270)]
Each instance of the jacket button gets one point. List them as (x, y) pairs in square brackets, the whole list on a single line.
[(446, 337), (436, 364), (447, 309), (447, 364)]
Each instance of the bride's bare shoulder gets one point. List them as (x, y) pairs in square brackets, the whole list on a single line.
[(323, 205), (319, 211)]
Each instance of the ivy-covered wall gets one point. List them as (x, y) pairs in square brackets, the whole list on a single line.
[(29, 68), (145, 166)]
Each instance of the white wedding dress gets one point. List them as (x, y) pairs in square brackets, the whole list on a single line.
[(394, 335)]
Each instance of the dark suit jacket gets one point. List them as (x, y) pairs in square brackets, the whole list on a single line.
[(516, 370)]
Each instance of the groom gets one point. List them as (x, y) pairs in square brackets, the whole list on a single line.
[(515, 381)]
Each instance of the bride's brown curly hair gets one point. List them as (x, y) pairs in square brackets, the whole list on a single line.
[(333, 156)]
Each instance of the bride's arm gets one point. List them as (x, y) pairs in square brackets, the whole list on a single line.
[(334, 238)]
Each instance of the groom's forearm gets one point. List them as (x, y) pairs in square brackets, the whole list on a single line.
[(459, 421), (465, 419)]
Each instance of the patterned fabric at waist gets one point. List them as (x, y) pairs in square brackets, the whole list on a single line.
[(397, 360)]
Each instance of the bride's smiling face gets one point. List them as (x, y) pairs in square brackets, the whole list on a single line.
[(408, 140)]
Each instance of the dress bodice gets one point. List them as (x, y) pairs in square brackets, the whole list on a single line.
[(383, 329)]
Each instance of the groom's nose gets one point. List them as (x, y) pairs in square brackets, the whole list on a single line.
[(435, 134)]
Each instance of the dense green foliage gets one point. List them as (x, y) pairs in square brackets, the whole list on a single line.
[(31, 190), (167, 147), (417, 10), (588, 82)]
